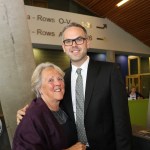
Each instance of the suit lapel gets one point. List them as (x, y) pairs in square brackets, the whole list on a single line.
[(92, 73), (68, 106)]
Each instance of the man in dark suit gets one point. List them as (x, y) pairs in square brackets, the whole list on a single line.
[(106, 115)]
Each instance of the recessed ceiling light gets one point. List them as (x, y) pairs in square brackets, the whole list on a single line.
[(122, 2)]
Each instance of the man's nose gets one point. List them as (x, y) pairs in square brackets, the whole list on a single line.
[(74, 43)]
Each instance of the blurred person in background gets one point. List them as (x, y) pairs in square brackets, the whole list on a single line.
[(134, 94)]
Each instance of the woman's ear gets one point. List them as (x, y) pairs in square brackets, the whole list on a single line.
[(40, 91)]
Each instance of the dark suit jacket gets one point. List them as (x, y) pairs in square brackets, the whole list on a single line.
[(106, 113), (39, 130)]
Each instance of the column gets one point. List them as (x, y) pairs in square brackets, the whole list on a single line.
[(16, 61)]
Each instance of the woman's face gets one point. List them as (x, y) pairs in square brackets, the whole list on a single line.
[(52, 86)]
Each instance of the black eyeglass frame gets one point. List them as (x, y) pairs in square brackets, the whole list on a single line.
[(74, 40)]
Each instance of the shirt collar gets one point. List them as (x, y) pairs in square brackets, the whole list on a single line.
[(84, 66)]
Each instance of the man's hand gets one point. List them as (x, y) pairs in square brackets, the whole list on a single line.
[(21, 113)]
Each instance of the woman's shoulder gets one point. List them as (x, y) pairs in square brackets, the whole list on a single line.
[(36, 108)]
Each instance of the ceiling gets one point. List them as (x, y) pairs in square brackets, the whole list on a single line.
[(133, 17)]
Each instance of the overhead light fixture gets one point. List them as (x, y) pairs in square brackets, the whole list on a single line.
[(122, 2)]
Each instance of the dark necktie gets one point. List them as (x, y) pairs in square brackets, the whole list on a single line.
[(80, 108)]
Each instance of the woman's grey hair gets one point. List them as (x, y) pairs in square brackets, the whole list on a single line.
[(73, 24), (36, 79)]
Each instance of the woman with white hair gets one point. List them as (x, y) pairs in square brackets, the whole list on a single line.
[(45, 125)]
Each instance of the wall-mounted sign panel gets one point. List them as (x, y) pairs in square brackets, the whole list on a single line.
[(46, 25)]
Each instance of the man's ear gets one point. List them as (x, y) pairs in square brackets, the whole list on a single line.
[(88, 43), (63, 47)]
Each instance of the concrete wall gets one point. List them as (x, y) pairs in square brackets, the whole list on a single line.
[(16, 61)]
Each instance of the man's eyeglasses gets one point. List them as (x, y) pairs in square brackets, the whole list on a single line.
[(78, 41)]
